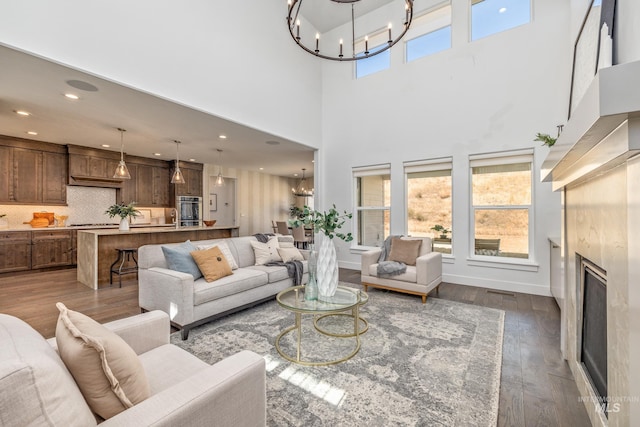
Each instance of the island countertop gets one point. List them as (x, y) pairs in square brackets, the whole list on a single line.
[(98, 248)]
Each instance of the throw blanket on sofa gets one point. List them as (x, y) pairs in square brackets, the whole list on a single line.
[(294, 269), (263, 238), (389, 268)]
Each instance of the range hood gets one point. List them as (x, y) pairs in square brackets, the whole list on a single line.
[(596, 138), (90, 167)]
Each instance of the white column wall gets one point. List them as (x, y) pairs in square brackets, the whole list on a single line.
[(234, 59), (490, 95)]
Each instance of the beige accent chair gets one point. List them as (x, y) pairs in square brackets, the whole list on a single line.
[(37, 388), (419, 279), (283, 228)]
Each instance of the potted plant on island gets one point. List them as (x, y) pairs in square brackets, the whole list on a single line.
[(124, 212), (327, 223), (441, 230)]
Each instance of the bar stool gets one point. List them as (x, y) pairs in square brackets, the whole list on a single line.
[(125, 257)]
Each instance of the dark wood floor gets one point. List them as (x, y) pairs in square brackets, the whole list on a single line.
[(537, 387)]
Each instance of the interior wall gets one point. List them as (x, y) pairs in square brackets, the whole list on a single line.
[(489, 95), (260, 198), (627, 31), (234, 59)]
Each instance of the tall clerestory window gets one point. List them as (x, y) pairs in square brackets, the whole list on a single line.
[(493, 16), (372, 188)]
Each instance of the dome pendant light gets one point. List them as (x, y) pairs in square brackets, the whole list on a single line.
[(177, 177), (122, 172), (219, 182)]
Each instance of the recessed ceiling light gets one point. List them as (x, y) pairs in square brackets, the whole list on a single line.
[(222, 136), (157, 154), (272, 142), (261, 169), (295, 174), (502, 10), (32, 132), (23, 113), (105, 145), (192, 160), (72, 96)]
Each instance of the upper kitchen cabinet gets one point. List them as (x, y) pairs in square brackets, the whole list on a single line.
[(192, 173), (149, 185), (32, 172), (91, 167)]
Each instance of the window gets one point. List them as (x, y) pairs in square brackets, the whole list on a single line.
[(429, 201), (493, 16), (376, 63), (372, 196), (429, 34), (502, 212)]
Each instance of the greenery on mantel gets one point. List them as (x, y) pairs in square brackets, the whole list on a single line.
[(122, 210), (325, 222)]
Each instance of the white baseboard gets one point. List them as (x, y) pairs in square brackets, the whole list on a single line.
[(481, 282)]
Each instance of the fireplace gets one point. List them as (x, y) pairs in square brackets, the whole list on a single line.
[(592, 327)]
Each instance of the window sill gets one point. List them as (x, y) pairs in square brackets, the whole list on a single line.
[(360, 249), (508, 264)]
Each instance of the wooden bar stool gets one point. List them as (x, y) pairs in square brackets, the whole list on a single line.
[(127, 266)]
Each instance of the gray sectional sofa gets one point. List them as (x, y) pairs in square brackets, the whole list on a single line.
[(190, 302)]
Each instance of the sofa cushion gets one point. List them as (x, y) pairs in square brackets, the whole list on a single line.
[(408, 276), (266, 252), (179, 259), (274, 273), (105, 368), (290, 254), (241, 280), (35, 386), (225, 251), (212, 263), (405, 251)]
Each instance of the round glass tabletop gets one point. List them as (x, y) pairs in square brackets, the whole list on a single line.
[(344, 298)]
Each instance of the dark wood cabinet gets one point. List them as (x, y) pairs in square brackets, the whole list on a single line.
[(192, 173), (15, 251), (92, 167), (149, 185), (129, 189), (51, 249), (32, 172), (144, 185), (162, 187)]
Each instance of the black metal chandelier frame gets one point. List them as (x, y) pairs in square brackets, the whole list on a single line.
[(294, 29)]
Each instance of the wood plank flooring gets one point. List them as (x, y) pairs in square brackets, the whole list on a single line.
[(537, 387)]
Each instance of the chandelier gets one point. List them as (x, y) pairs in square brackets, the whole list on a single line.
[(302, 189), (366, 45)]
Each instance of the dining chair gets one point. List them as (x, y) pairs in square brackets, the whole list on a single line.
[(299, 237), (283, 227)]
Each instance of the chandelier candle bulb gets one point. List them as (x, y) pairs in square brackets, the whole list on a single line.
[(390, 39), (341, 48), (366, 45), (298, 29), (317, 42)]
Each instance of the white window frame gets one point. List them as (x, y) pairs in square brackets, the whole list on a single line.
[(416, 166), (375, 40), (433, 19), (359, 172), (497, 159), (470, 29)]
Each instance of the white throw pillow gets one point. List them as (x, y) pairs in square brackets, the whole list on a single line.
[(266, 252), (290, 254), (224, 248)]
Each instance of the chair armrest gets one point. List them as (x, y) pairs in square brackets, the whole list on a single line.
[(368, 258), (230, 393), (143, 332), (428, 267), (167, 290)]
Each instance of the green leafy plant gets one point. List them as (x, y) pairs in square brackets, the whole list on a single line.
[(442, 230), (545, 139), (122, 210), (325, 222), (295, 212)]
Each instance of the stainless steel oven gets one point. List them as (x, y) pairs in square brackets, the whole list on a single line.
[(189, 211)]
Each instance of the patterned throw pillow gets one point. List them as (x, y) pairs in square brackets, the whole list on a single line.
[(225, 251), (266, 252), (179, 259), (290, 254), (212, 263)]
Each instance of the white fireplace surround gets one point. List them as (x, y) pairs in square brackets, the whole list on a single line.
[(596, 165)]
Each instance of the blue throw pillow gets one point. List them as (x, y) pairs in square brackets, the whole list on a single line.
[(179, 259)]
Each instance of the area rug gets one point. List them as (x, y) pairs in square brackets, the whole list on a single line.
[(434, 364)]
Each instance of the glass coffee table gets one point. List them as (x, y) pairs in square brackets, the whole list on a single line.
[(345, 299)]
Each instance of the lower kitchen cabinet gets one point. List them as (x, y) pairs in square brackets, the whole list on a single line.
[(15, 251), (51, 249)]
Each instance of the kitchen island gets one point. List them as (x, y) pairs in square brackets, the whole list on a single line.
[(97, 247)]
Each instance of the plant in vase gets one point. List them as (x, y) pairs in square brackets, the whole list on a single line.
[(327, 223), (124, 212)]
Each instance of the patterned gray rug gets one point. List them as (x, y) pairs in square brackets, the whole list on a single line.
[(419, 365)]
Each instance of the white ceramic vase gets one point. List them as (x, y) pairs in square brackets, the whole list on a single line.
[(327, 268), (124, 224)]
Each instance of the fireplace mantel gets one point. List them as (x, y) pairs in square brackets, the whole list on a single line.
[(584, 150)]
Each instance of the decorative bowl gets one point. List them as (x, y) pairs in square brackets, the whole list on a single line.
[(209, 222)]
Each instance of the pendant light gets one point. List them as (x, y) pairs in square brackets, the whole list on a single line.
[(177, 177), (219, 182), (121, 170)]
